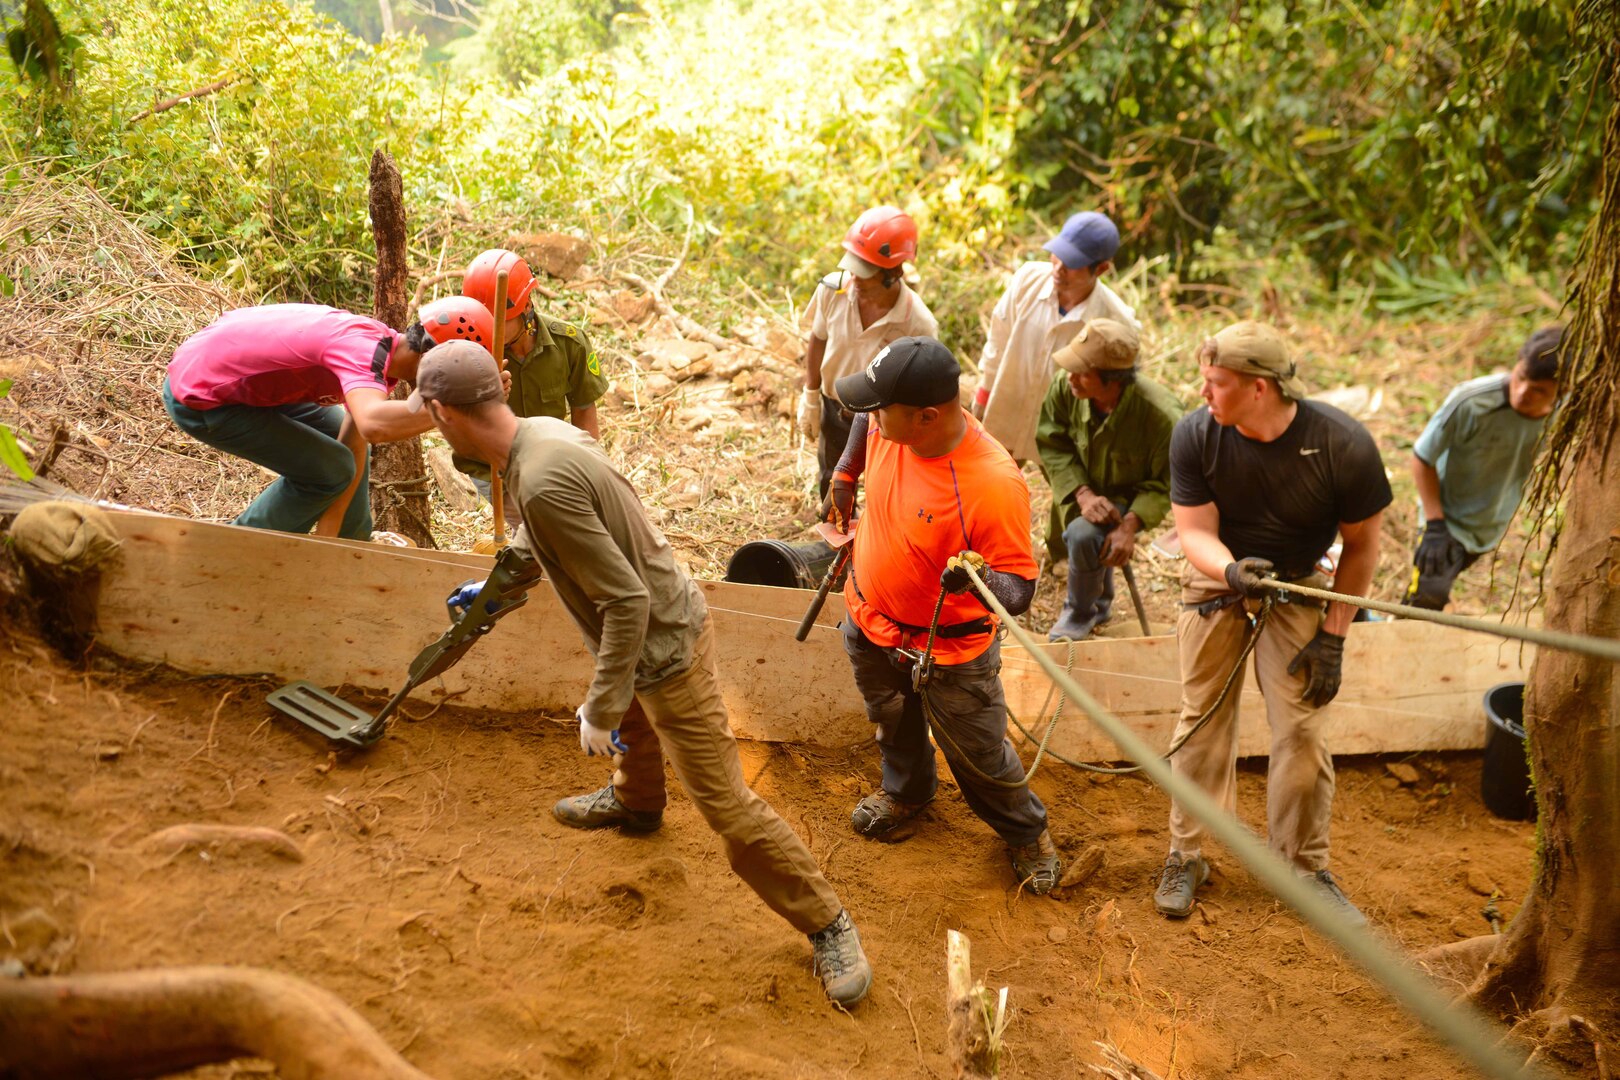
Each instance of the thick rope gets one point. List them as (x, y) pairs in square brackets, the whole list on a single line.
[(1458, 1023), (1553, 639)]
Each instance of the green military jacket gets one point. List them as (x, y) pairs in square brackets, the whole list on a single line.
[(1124, 457), (562, 372)]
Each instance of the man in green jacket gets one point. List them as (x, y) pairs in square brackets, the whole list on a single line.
[(1104, 445)]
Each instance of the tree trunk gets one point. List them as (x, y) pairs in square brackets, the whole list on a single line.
[(399, 482), (1556, 971)]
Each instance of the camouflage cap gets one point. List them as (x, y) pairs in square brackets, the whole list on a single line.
[(1255, 348), (1101, 345)]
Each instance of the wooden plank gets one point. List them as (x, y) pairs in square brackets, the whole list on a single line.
[(221, 600)]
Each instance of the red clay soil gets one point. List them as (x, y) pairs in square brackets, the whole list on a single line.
[(487, 942)]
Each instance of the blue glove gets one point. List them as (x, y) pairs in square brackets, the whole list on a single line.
[(595, 741), (463, 596)]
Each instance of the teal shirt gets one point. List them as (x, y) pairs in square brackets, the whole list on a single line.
[(1483, 451), (1123, 456)]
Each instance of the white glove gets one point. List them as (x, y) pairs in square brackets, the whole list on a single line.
[(810, 413), (596, 742)]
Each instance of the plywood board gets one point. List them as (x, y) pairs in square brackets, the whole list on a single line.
[(221, 600)]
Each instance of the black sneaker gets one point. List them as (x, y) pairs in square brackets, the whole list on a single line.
[(880, 814), (1329, 888), (601, 809), (837, 956), (1038, 865), (1178, 881)]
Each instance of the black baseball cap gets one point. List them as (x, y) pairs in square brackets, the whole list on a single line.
[(916, 371)]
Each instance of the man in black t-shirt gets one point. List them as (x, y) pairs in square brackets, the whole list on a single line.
[(1261, 480)]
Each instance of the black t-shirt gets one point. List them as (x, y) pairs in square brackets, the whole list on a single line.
[(1282, 500)]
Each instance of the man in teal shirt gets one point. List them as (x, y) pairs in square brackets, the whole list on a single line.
[(1104, 445), (1471, 464)]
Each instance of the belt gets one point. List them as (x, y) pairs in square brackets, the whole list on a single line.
[(1225, 600), (981, 625)]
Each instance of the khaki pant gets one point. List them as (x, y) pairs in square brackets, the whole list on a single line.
[(685, 716), (1299, 776)]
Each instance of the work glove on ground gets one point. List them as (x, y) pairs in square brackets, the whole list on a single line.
[(810, 413), (1244, 576), (955, 577), (839, 505), (595, 741), (1323, 657), (1434, 551)]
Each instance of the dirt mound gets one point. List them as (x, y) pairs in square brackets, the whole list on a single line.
[(434, 893)]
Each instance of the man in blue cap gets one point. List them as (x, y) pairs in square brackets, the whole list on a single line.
[(1044, 307)]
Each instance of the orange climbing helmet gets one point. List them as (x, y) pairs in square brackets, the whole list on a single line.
[(480, 280), (884, 236), (457, 318)]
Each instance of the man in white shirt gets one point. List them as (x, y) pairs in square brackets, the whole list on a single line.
[(1045, 305)]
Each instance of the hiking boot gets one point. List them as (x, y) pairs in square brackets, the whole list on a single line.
[(600, 809), (1334, 895), (880, 813), (1038, 865), (837, 956), (1178, 881)]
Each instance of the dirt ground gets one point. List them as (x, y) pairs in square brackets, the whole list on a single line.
[(439, 897)]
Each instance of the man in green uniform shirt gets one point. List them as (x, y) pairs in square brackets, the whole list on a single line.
[(1104, 444), (555, 371)]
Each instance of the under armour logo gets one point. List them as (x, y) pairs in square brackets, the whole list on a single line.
[(924, 514)]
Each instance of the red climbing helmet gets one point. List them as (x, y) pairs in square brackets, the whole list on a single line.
[(458, 318), (480, 280), (883, 236)]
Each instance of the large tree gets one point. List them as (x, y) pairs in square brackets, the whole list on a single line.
[(1555, 973)]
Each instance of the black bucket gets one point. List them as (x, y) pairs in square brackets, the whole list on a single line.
[(778, 563), (1505, 780)]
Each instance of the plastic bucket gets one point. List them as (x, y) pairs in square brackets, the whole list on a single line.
[(778, 563), (1504, 782)]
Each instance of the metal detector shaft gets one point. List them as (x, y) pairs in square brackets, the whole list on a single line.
[(1136, 598), (833, 573)]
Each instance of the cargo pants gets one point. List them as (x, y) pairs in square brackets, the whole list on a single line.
[(1299, 774), (969, 700), (685, 717)]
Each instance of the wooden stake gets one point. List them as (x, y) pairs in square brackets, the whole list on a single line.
[(975, 1015), (497, 498)]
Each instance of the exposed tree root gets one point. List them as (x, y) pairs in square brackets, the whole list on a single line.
[(1460, 962), (151, 1023), (177, 838)]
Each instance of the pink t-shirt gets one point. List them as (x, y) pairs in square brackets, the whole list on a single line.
[(280, 354)]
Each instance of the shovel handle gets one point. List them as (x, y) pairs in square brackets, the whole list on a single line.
[(833, 571), (498, 346)]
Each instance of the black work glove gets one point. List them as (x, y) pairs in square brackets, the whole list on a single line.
[(1433, 553), (839, 505), (1244, 577), (955, 578), (1324, 656)]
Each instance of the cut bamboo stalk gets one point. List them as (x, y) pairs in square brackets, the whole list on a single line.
[(976, 1014)]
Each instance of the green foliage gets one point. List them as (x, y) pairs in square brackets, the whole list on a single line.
[(11, 455), (39, 49), (530, 39)]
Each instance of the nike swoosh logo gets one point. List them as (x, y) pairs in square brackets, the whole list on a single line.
[(1306, 453)]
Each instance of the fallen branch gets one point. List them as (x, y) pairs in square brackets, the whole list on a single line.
[(178, 838), (690, 327), (168, 103), (138, 1024)]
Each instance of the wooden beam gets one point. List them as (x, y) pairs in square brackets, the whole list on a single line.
[(221, 600)]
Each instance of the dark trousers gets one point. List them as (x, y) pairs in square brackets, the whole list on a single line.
[(969, 703), (300, 443), (835, 424), (1433, 591)]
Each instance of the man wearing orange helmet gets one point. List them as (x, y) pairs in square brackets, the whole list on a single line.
[(554, 370), (856, 311), (302, 390)]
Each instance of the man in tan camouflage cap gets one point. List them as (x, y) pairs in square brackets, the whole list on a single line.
[(1104, 443), (1261, 481)]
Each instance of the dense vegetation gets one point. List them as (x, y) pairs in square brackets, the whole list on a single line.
[(1411, 145)]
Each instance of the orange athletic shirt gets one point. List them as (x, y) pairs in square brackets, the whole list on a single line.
[(921, 511)]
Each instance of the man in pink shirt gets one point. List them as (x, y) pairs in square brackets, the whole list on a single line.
[(302, 390)]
